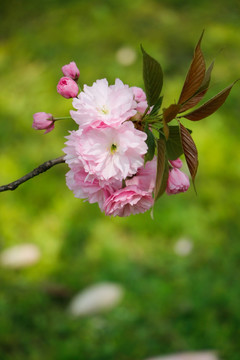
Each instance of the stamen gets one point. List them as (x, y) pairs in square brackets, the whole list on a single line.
[(113, 148), (103, 110)]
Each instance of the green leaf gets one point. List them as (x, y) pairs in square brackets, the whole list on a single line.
[(165, 129), (150, 143), (161, 160), (164, 180), (153, 78), (174, 144), (190, 151), (210, 106), (157, 106), (195, 74)]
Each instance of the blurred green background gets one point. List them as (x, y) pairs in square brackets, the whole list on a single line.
[(172, 302)]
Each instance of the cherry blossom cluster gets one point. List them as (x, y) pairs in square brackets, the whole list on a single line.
[(125, 153), (106, 154)]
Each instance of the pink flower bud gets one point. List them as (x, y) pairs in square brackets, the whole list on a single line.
[(176, 163), (42, 120), (71, 70), (177, 182), (67, 87)]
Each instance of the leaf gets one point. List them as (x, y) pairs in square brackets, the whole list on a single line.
[(171, 112), (190, 151), (195, 74), (207, 78), (157, 106), (164, 180), (193, 101), (161, 154), (210, 106), (165, 129), (174, 144), (168, 115), (197, 97), (150, 143), (153, 78)]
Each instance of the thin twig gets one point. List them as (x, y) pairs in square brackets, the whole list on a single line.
[(40, 169)]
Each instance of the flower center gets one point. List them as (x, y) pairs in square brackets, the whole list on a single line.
[(103, 110), (113, 148)]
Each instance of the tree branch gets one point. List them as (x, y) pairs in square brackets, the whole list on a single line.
[(40, 169)]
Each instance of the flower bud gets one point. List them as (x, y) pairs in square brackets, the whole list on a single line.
[(42, 120), (177, 182), (67, 87), (176, 163), (71, 70)]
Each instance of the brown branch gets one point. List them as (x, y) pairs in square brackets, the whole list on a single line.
[(40, 169)]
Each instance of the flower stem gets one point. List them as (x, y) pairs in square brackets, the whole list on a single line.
[(62, 118)]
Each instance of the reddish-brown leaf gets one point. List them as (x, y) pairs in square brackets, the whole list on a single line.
[(193, 101), (190, 151), (210, 106), (195, 74), (168, 115), (207, 78), (161, 155), (171, 112), (201, 91)]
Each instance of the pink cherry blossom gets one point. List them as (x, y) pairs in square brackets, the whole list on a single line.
[(85, 186), (102, 105), (176, 163), (141, 107), (139, 94), (67, 87), (43, 121), (107, 152), (145, 177), (71, 70), (140, 98), (178, 182), (127, 201)]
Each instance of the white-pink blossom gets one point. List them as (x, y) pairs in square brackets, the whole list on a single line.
[(128, 200), (85, 186), (145, 177), (142, 106), (107, 149), (108, 152), (102, 105), (139, 94), (140, 98), (73, 148)]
